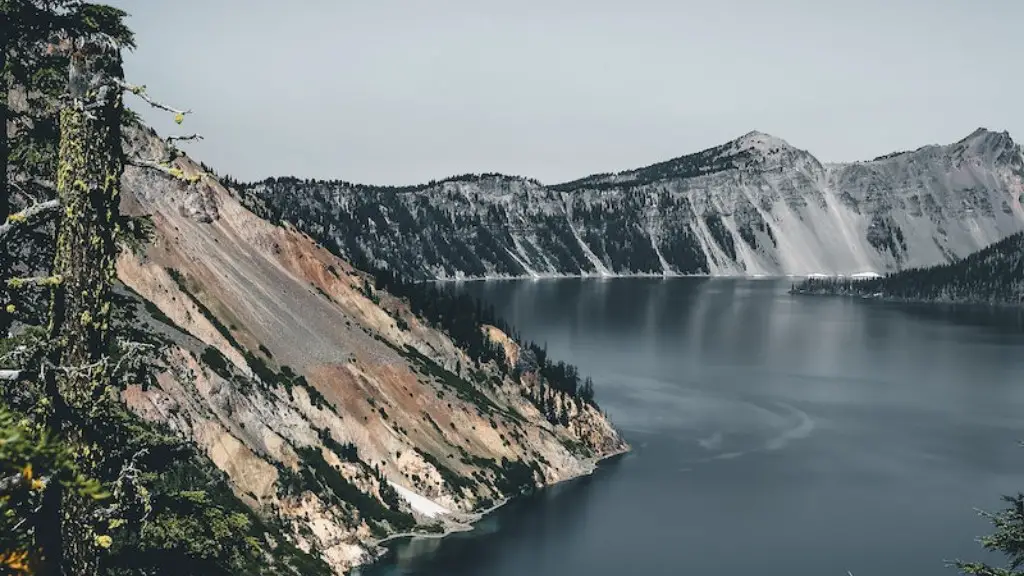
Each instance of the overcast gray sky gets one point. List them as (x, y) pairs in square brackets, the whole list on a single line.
[(402, 91)]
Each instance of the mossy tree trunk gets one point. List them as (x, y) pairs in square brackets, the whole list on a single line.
[(91, 162), (5, 194), (5, 38)]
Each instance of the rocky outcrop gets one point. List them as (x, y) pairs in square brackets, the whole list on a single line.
[(334, 413), (753, 206)]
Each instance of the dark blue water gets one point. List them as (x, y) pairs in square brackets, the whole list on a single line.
[(773, 434)]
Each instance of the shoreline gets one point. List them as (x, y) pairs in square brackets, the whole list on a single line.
[(648, 275), (922, 301), (468, 520)]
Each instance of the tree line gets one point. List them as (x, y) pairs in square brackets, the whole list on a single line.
[(993, 275)]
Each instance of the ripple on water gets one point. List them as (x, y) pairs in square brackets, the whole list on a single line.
[(725, 426)]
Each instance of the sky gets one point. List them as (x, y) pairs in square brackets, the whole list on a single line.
[(403, 91)]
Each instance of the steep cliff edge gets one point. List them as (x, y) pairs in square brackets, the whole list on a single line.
[(332, 409), (753, 206)]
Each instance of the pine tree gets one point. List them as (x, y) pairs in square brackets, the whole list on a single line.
[(1007, 539)]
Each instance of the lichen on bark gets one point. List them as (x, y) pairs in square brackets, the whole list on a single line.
[(89, 172)]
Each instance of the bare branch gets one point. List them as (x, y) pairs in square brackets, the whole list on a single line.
[(172, 139), (131, 351), (26, 215), (140, 91), (35, 281), (10, 375), (166, 168)]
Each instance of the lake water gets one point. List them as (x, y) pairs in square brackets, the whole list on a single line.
[(772, 434)]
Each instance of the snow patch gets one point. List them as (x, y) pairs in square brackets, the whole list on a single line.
[(598, 265), (665, 268), (421, 504)]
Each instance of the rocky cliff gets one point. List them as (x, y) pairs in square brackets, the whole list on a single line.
[(334, 411), (753, 206)]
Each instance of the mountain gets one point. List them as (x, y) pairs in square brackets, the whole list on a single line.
[(333, 411), (993, 275), (753, 206)]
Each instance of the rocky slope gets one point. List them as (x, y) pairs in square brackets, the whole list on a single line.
[(993, 275), (334, 411), (754, 206)]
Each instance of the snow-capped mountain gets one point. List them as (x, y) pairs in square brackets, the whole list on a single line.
[(753, 206)]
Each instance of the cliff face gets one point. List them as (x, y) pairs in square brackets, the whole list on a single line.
[(753, 206), (333, 410)]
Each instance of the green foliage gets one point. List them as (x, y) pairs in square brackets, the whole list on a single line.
[(195, 524), (347, 452), (136, 232), (464, 389), (516, 477), (318, 473), (213, 358), (993, 275), (31, 458), (1008, 539)]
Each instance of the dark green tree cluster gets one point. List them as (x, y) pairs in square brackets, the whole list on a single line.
[(460, 315), (562, 376), (462, 318), (993, 275), (886, 236)]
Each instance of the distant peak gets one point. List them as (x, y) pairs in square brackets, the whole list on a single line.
[(985, 133), (761, 142), (980, 131), (985, 142)]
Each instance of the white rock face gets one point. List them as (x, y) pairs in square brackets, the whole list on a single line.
[(421, 504), (755, 206)]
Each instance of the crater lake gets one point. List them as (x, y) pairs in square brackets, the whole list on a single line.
[(771, 434)]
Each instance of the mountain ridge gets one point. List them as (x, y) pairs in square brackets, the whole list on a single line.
[(753, 206)]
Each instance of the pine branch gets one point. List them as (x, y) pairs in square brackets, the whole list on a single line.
[(27, 215)]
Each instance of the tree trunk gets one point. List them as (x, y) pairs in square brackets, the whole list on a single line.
[(5, 29), (88, 185), (5, 153)]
